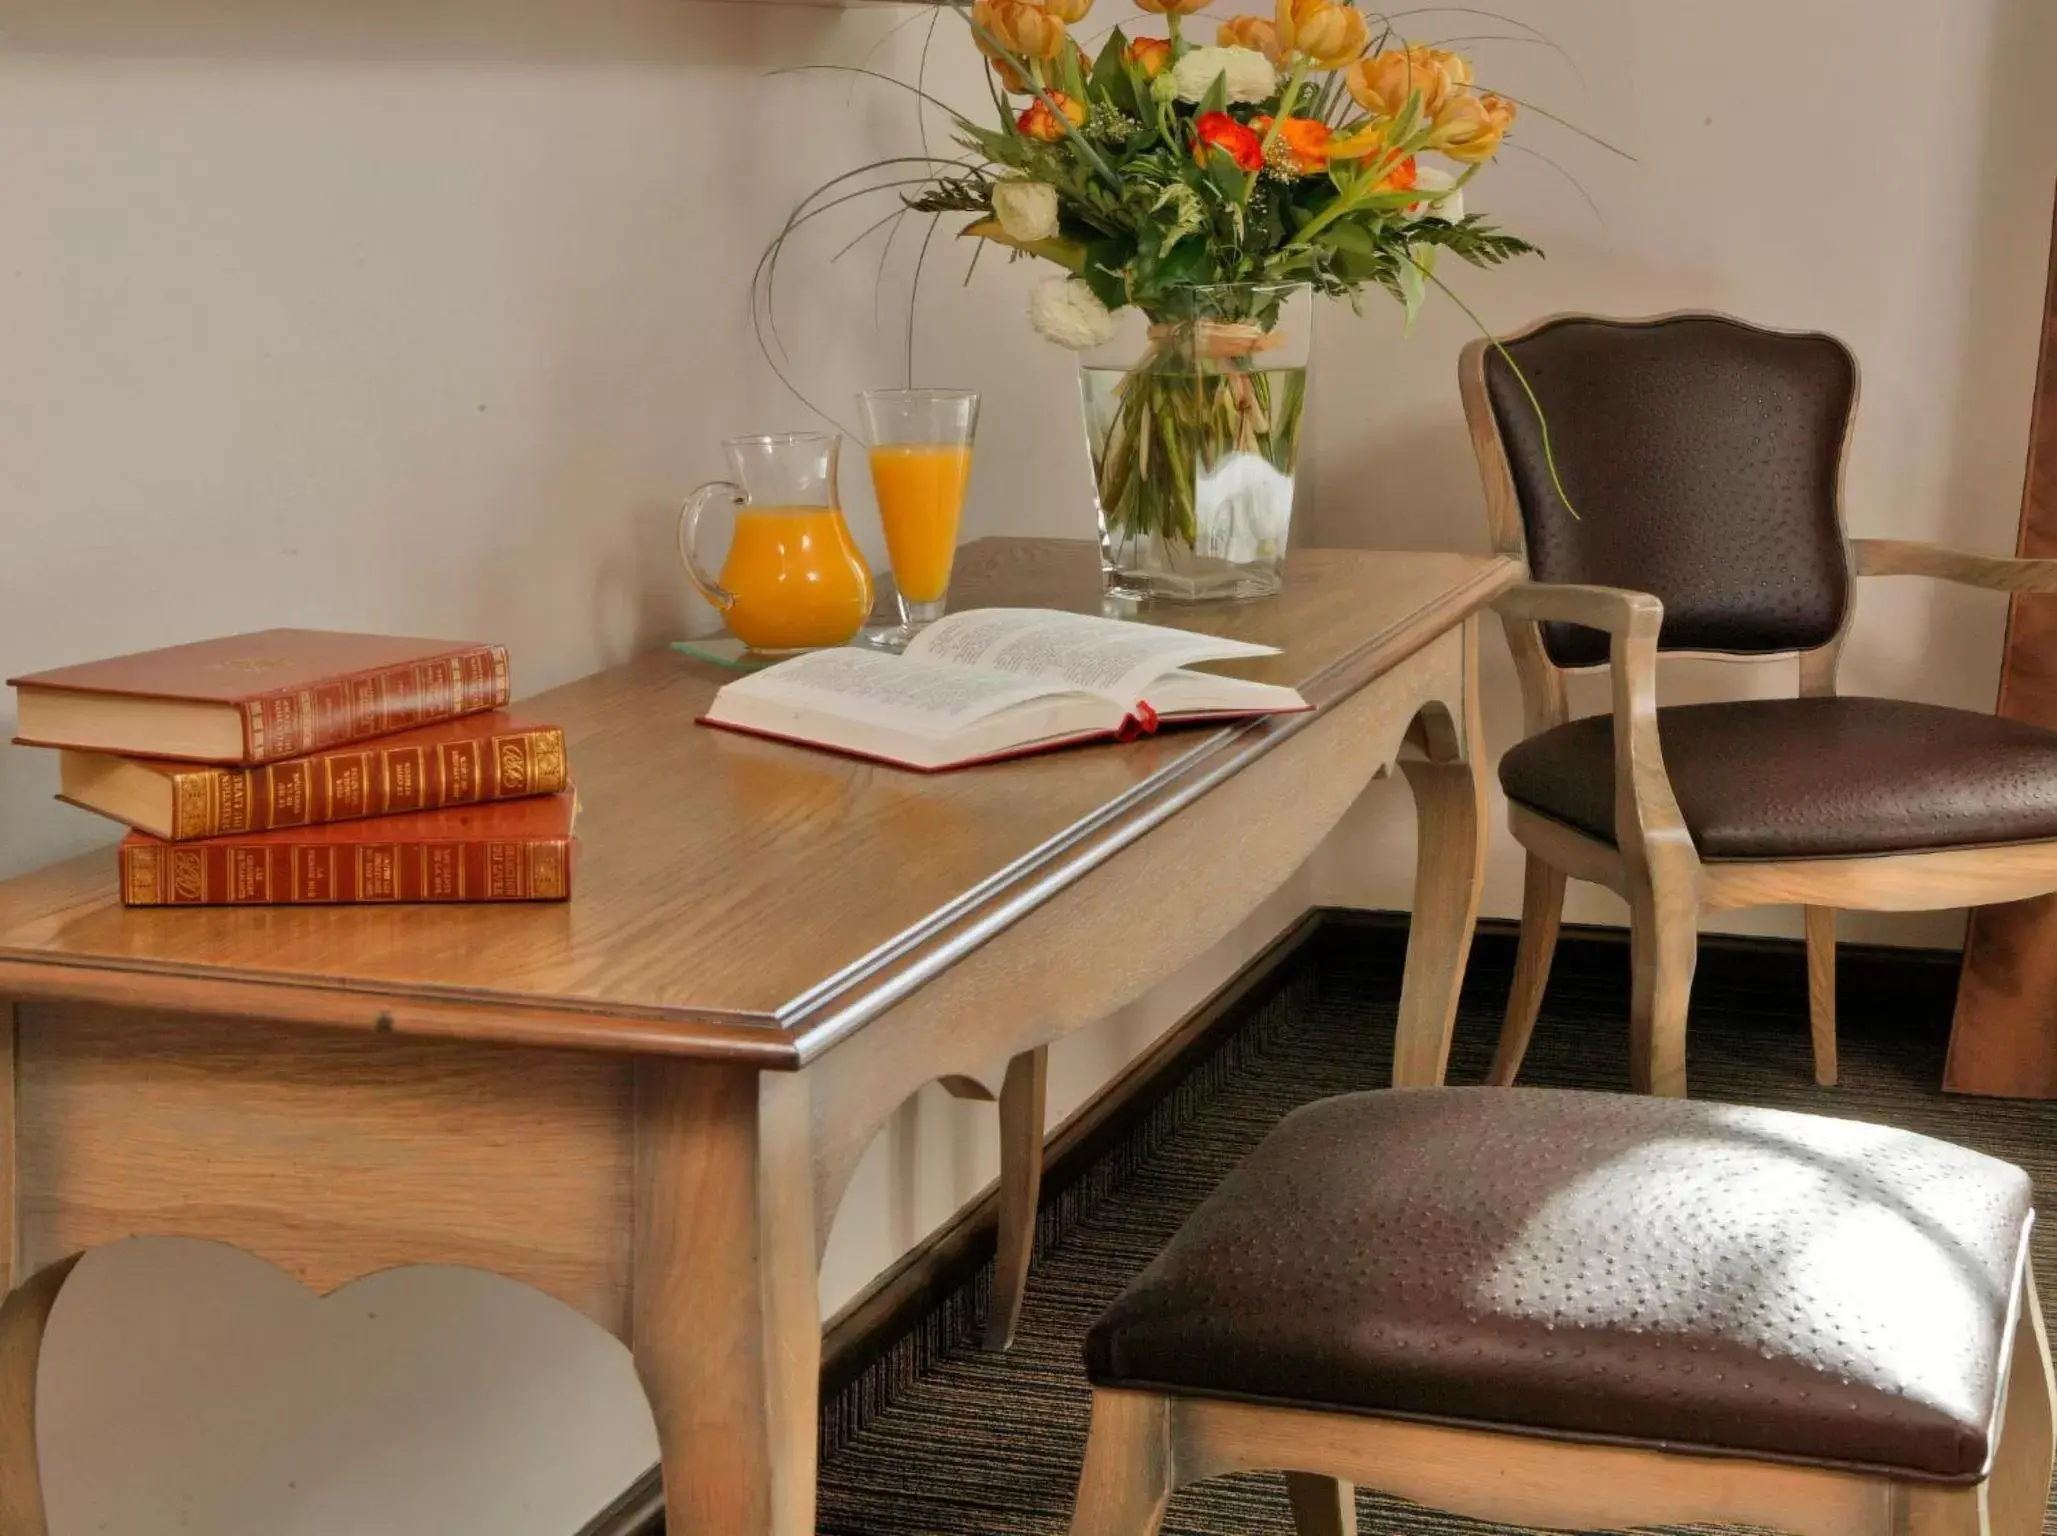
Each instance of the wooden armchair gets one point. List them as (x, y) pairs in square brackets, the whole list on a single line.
[(1704, 457)]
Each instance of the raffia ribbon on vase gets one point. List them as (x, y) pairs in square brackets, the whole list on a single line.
[(1218, 340), (1224, 341)]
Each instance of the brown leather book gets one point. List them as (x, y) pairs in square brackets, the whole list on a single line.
[(258, 698), (519, 850), (460, 762)]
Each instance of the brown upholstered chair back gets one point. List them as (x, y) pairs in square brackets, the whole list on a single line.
[(1703, 456)]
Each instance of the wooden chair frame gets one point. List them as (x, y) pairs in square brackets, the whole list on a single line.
[(1145, 1446), (1651, 861)]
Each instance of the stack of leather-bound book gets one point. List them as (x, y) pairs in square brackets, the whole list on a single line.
[(299, 765)]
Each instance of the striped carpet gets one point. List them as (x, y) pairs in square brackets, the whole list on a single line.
[(990, 1444)]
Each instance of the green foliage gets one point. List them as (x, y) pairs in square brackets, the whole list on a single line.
[(969, 193), (1154, 211), (1111, 80)]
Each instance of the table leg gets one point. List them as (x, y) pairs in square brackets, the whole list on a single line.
[(1449, 867), (1022, 1102), (725, 1320)]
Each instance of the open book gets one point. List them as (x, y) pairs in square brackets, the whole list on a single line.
[(997, 682)]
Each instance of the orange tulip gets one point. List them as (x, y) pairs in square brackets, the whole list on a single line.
[(1383, 83), (1171, 7), (1395, 173), (1470, 128), (1068, 11), (1150, 55), (1039, 122), (1252, 32), (1330, 35), (1365, 142), (1019, 27), (1014, 85)]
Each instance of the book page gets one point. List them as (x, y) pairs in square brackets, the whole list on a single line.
[(930, 698), (1114, 658)]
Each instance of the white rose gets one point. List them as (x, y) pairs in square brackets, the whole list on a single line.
[(1065, 310), (1249, 74), (1027, 210), (1433, 178)]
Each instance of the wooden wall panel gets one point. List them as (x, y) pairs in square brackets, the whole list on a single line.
[(2004, 1038)]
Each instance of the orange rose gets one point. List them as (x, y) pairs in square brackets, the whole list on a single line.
[(1039, 122), (1382, 84), (1251, 32), (1330, 35), (1302, 144), (1151, 55), (1019, 27), (1217, 130), (1470, 128)]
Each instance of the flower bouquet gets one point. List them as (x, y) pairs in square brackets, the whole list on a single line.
[(1195, 199)]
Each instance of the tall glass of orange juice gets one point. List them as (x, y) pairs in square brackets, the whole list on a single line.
[(793, 579), (920, 465)]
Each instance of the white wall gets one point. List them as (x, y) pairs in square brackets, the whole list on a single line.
[(421, 316)]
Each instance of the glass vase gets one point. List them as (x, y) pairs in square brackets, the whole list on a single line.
[(1193, 422)]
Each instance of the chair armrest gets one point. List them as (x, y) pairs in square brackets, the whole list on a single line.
[(1909, 557), (1648, 828), (1616, 610)]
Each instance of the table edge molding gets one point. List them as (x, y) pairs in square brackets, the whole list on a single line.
[(831, 1011), (326, 1003)]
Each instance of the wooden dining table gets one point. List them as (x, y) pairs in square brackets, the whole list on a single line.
[(647, 1102)]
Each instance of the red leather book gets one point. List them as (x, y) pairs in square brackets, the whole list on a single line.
[(258, 698), (460, 762), (518, 850)]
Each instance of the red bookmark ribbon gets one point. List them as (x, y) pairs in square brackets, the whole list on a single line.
[(1142, 721)]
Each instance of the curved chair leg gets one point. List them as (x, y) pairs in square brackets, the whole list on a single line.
[(1022, 1100), (1322, 1506), (2018, 1491), (24, 1317), (1127, 1478), (1821, 990), (1664, 944), (1542, 913)]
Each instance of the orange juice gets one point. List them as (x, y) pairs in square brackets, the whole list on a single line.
[(921, 498), (797, 578)]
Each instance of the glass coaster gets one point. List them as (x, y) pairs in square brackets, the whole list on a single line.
[(727, 651)]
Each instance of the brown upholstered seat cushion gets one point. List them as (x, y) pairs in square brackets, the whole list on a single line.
[(1657, 1271), (1803, 778)]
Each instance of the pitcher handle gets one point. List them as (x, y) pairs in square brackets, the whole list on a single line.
[(689, 532)]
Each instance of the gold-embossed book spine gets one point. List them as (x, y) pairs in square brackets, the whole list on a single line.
[(294, 722), (520, 851), (373, 780)]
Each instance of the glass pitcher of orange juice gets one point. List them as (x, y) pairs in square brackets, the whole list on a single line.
[(793, 579)]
